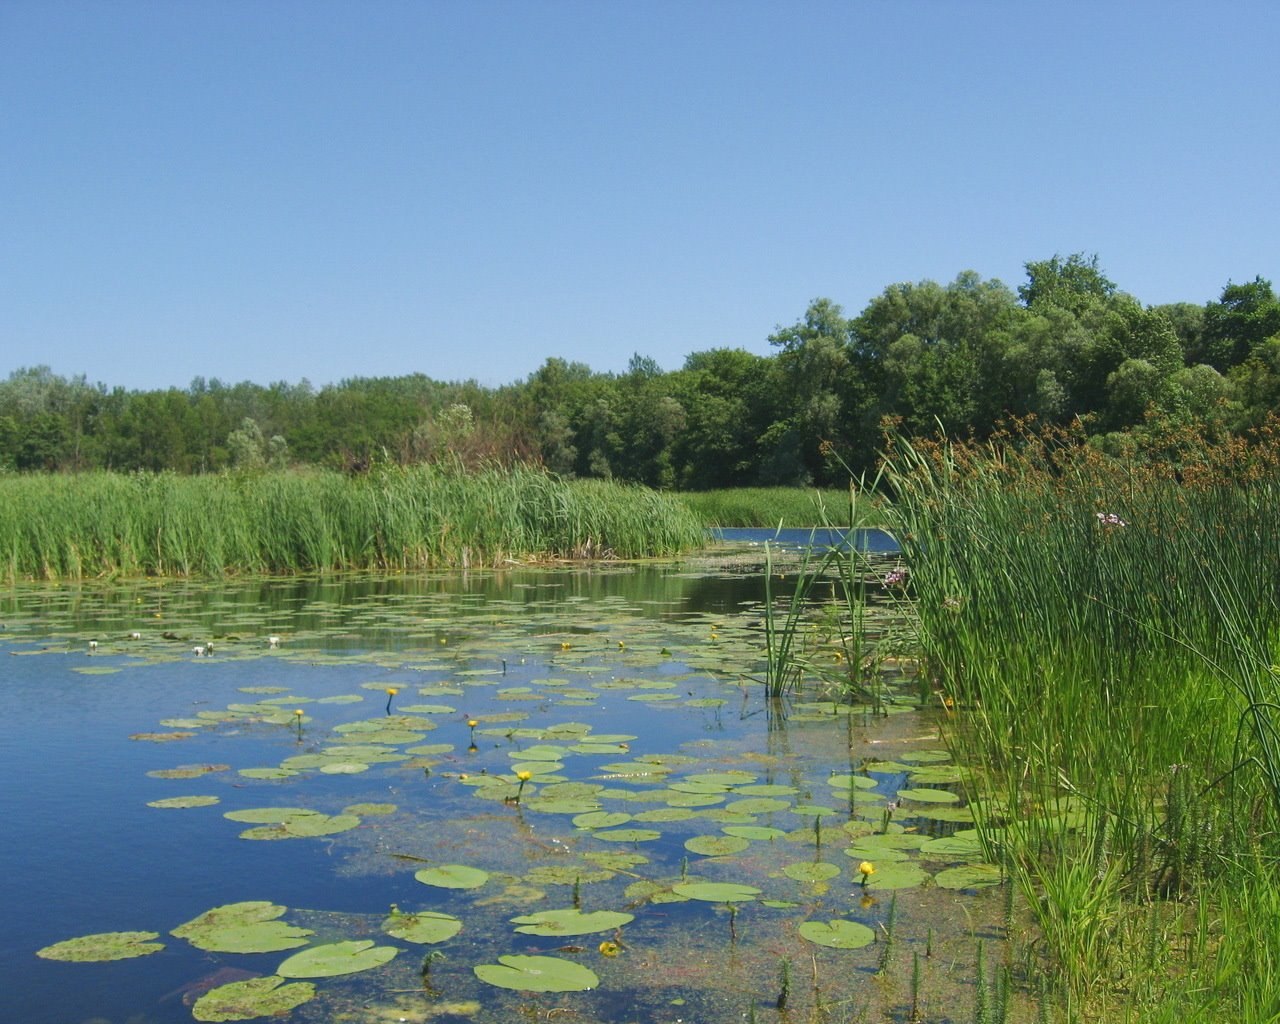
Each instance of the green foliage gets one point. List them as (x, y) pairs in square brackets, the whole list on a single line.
[(772, 507), (961, 357), (1105, 629), (103, 524)]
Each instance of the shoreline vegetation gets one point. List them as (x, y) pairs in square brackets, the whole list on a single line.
[(785, 507), (1101, 637), (110, 525)]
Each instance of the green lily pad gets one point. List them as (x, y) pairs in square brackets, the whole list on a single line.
[(819, 871), (102, 947), (267, 773), (249, 927), (716, 846), (537, 974), (953, 847), (255, 997), (757, 805), (600, 819), (571, 922), (906, 875), (184, 801), (931, 796), (968, 876), (336, 958), (877, 854), (838, 934), (753, 831), (662, 814), (850, 782), (567, 874), (927, 756), (628, 835), (716, 892), (424, 926), (452, 876), (188, 771)]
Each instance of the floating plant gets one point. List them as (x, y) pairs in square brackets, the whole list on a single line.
[(336, 958), (571, 922), (452, 876), (537, 974), (838, 934), (102, 947), (253, 997), (250, 927)]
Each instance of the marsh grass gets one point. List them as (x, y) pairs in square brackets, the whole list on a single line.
[(774, 507), (1107, 632), (104, 524)]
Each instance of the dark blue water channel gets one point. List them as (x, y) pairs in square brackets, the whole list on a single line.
[(665, 654)]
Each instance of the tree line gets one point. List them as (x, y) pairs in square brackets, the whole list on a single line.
[(1067, 347)]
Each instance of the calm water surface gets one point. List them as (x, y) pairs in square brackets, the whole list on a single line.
[(660, 661)]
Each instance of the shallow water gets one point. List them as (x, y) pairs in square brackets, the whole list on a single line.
[(661, 661)]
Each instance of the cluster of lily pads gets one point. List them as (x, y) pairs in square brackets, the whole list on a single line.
[(616, 804)]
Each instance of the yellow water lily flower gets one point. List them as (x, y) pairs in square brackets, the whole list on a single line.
[(524, 776), (866, 869), (608, 948)]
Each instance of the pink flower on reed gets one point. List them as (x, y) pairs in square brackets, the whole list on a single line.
[(1109, 519), (895, 577)]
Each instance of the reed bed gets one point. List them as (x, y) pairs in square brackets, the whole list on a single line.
[(771, 507), (61, 527), (1105, 634)]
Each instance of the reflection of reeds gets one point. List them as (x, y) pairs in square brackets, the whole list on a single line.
[(105, 524)]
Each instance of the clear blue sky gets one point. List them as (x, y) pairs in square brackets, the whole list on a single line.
[(269, 190)]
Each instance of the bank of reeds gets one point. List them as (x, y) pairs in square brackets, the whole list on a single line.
[(105, 524), (769, 507), (1106, 631)]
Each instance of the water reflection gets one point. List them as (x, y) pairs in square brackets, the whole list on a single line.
[(629, 689)]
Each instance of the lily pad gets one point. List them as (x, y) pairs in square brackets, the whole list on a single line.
[(628, 835), (102, 947), (249, 927), (811, 871), (254, 997), (838, 934), (336, 958), (424, 926), (716, 892), (931, 796), (184, 801), (188, 771), (537, 974), (571, 922), (906, 875), (716, 846), (452, 876), (753, 831), (968, 876), (600, 819)]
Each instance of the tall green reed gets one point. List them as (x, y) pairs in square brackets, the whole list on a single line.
[(104, 524), (1106, 632)]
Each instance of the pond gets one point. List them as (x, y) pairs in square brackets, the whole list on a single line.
[(538, 794)]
